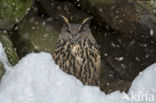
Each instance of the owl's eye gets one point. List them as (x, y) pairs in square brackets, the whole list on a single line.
[(68, 30), (81, 30)]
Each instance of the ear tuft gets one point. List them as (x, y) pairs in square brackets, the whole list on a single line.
[(63, 19), (87, 20)]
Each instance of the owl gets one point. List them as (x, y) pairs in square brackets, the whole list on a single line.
[(76, 52)]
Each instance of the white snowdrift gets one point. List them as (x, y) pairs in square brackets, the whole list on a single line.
[(37, 79)]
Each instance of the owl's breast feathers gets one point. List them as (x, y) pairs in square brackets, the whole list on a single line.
[(80, 58)]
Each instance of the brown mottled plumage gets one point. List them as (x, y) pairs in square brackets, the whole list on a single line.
[(77, 53)]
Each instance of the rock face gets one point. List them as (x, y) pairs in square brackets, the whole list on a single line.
[(54, 8), (34, 34), (9, 49), (151, 4), (134, 26), (11, 11), (2, 70)]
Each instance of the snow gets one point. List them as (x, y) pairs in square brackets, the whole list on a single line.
[(3, 57), (145, 84), (151, 32), (37, 79)]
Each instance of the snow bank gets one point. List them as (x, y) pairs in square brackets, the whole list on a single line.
[(144, 86), (37, 79)]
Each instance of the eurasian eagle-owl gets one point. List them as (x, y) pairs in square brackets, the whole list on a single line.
[(77, 53)]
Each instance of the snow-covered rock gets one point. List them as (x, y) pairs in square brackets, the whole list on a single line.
[(37, 79), (3, 57)]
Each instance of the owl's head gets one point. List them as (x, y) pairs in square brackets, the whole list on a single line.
[(75, 31)]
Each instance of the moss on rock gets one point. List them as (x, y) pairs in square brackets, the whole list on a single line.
[(8, 46), (151, 5), (2, 70), (102, 2), (11, 11), (34, 34)]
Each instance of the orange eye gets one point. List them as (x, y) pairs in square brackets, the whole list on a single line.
[(81, 30), (68, 30)]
